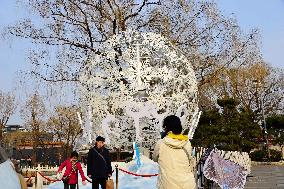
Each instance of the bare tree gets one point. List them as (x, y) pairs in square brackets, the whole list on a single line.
[(210, 40), (256, 87), (34, 113), (72, 30), (7, 108), (15, 139), (76, 28), (65, 126)]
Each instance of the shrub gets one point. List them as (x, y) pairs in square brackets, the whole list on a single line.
[(261, 155), (275, 155), (258, 155)]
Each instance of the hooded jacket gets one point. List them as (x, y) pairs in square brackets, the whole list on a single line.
[(175, 165)]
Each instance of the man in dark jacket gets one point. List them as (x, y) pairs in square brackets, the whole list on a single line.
[(99, 164)]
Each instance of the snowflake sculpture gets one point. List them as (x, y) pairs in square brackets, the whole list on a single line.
[(134, 83)]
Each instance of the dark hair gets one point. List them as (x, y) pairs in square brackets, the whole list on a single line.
[(100, 138), (172, 123), (74, 154)]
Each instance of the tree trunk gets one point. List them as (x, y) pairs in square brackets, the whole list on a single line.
[(1, 134)]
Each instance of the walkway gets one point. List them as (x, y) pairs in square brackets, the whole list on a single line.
[(266, 177)]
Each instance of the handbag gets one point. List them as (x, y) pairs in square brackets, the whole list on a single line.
[(66, 178), (109, 184)]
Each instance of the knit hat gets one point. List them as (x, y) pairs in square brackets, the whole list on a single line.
[(100, 138), (74, 154)]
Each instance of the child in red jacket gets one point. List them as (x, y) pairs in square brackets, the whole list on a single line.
[(70, 176)]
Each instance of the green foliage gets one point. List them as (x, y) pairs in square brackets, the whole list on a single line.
[(227, 103), (275, 155), (228, 128), (261, 155), (275, 125), (258, 155), (275, 122)]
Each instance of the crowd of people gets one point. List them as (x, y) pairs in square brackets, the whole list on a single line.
[(172, 153)]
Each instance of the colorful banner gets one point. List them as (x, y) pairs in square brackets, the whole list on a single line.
[(227, 174)]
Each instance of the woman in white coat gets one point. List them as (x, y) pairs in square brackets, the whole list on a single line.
[(173, 154)]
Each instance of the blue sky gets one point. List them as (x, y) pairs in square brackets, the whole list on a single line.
[(266, 15), (12, 54)]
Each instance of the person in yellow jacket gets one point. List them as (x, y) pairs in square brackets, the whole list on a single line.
[(173, 154)]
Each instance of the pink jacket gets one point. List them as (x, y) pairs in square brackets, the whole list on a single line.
[(74, 174)]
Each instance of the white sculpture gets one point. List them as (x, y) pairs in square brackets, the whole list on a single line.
[(139, 78), (106, 127), (193, 123), (89, 125), (182, 113), (85, 140)]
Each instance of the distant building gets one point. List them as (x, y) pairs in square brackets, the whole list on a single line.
[(48, 153), (13, 128), (20, 145)]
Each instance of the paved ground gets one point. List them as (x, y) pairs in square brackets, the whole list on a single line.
[(266, 177)]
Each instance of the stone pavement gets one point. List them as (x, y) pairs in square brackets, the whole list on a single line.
[(266, 177)]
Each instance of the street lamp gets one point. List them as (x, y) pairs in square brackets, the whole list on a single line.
[(256, 84)]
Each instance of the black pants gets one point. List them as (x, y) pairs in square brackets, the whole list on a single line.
[(72, 186), (97, 182)]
